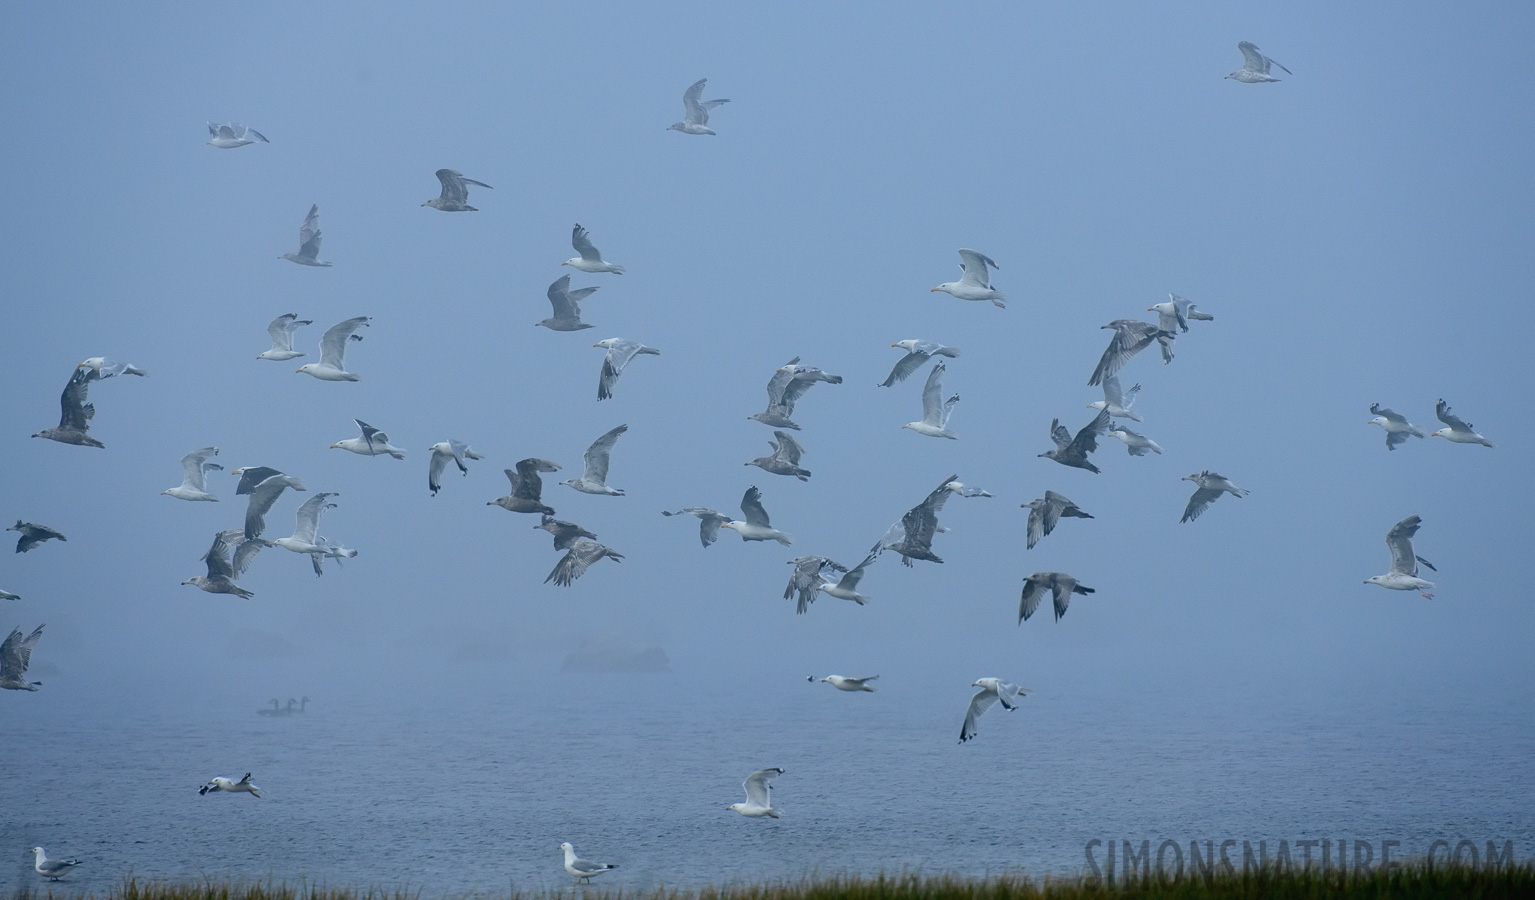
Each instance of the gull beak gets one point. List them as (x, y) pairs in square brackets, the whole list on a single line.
[(564, 263), (929, 290), (298, 371), (897, 345), (334, 446)]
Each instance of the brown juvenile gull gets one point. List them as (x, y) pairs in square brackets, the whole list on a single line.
[(1046, 511), (332, 364), (1211, 486), (527, 487), (590, 260), (1404, 562), (695, 118), (1072, 451), (442, 452), (784, 459), (594, 473), (991, 691), (790, 381), (755, 526), (577, 559), (224, 568), (455, 192), (917, 353), (194, 472), (230, 136), (1137, 444), (620, 352), (1058, 584), (565, 533), (709, 521), (15, 656), (281, 330), (308, 241), (1173, 316), (1131, 336), (912, 536), (1397, 428), (567, 306), (1255, 66), (1459, 430), (974, 281), (75, 413), (33, 534)]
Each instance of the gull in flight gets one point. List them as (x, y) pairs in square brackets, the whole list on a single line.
[(194, 471), (1131, 336), (594, 475), (1136, 444), (695, 117), (442, 452), (590, 260), (1211, 486), (1397, 428), (567, 306), (844, 683), (1057, 584), (329, 550), (1255, 66), (527, 487), (756, 526), (1117, 402), (52, 869), (991, 691), (102, 368), (222, 569), (1458, 430), (15, 656), (7, 595), (579, 867), (565, 533), (784, 459), (306, 522), (75, 414), (263, 494), (1404, 562), (281, 329), (372, 443), (308, 241), (935, 409), (1072, 451), (790, 381), (1046, 511), (960, 489), (975, 281), (620, 351), (33, 534), (810, 578), (243, 786), (1173, 316), (759, 794), (912, 536), (455, 192), (332, 364), (228, 137), (709, 521), (917, 353), (582, 553)]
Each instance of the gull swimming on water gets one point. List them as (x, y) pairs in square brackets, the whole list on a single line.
[(15, 656), (455, 192), (935, 409), (33, 534), (442, 452), (709, 521), (1072, 451), (1458, 430), (567, 306), (620, 351), (565, 533), (912, 536), (785, 457), (991, 691), (372, 443), (1117, 402), (582, 553), (594, 475), (759, 794), (194, 470), (843, 683), (1057, 584), (590, 260), (1397, 428), (917, 353), (1255, 66), (695, 118), (1211, 486), (51, 869), (281, 329), (756, 526), (1173, 316), (243, 786), (580, 868), (332, 364), (308, 241), (1131, 336), (975, 281), (228, 137), (222, 568), (790, 381), (1404, 562), (1046, 511), (1138, 445), (527, 487), (75, 414)]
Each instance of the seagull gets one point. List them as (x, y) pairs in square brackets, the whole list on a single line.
[(912, 536), (582, 553), (1137, 444), (1045, 512), (243, 786), (1116, 402), (590, 260), (935, 409), (7, 595), (594, 474), (1131, 336), (194, 470), (53, 869), (102, 368), (332, 364), (222, 570), (281, 329), (756, 526), (1255, 66), (15, 656), (33, 534), (785, 457), (1058, 584), (1173, 315), (1404, 563), (1397, 427), (75, 414), (960, 489), (567, 306), (527, 487), (620, 351), (759, 794), (250, 476), (695, 118), (308, 241), (306, 521), (329, 550), (372, 443), (709, 521), (975, 283), (1211, 486), (565, 533), (228, 137), (844, 683), (1072, 451), (810, 578), (846, 587), (1459, 430), (790, 381), (457, 451), (991, 691), (580, 868), (262, 495), (455, 193), (917, 353)]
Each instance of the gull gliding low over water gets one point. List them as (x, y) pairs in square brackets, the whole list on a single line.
[(455, 192), (1058, 585), (620, 352), (974, 281), (843, 683), (935, 409), (194, 472), (308, 241), (332, 364), (1255, 66), (759, 794), (281, 329), (992, 690), (219, 783), (594, 475), (51, 869), (917, 353), (442, 452), (1404, 562), (590, 260), (230, 136), (1457, 429), (695, 110), (1211, 486), (15, 656), (580, 868)]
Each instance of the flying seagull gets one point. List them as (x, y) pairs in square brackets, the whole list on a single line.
[(250, 476), (695, 118), (75, 414), (455, 192), (1173, 316), (308, 241), (935, 409), (784, 459), (579, 867), (7, 595), (845, 587), (1458, 430), (1255, 66), (565, 533), (1046, 511), (194, 471), (567, 306), (102, 368), (975, 281), (222, 568), (709, 521), (917, 353), (912, 536), (54, 869), (15, 656), (590, 260), (960, 489), (1117, 402), (442, 452), (810, 578), (230, 136), (1211, 486), (594, 474), (1057, 584), (1072, 451), (1136, 444), (1397, 428), (582, 553), (991, 691), (1404, 562), (263, 495), (844, 683), (306, 522), (281, 329), (243, 786), (1131, 336), (33, 534), (620, 351), (759, 794), (755, 527), (332, 364), (790, 381), (372, 443), (527, 487)]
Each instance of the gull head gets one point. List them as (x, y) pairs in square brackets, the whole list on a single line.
[(1378, 420), (334, 446), (565, 845)]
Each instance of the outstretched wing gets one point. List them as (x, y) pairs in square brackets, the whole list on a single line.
[(581, 239), (1456, 423), (1086, 440), (596, 456), (751, 508), (1199, 502), (982, 701), (974, 267), (759, 792), (309, 234), (333, 343), (932, 397), (1399, 541)]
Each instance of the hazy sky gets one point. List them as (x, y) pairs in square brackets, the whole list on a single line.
[(1360, 231)]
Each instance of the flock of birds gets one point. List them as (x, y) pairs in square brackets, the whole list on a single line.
[(911, 537)]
